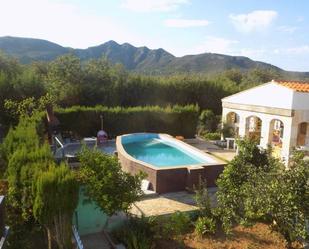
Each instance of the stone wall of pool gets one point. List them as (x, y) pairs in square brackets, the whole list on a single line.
[(171, 179)]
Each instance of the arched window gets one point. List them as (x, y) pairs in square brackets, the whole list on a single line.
[(253, 128), (276, 131), (232, 122)]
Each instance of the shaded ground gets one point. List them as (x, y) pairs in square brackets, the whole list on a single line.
[(95, 241), (257, 237)]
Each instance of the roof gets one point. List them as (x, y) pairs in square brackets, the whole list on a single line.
[(298, 86), (274, 94)]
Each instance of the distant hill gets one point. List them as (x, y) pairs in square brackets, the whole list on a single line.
[(138, 59)]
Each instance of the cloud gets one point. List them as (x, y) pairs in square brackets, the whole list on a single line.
[(215, 44), (298, 50), (153, 5), (288, 29), (186, 23), (254, 21), (63, 23)]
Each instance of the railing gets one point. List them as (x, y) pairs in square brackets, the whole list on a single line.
[(79, 243), (58, 142)]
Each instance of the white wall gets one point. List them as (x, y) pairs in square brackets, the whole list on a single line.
[(301, 101), (289, 129)]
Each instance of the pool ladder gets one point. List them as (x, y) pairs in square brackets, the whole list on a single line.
[(79, 242)]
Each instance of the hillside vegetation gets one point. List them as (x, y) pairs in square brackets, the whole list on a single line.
[(69, 81), (137, 59)]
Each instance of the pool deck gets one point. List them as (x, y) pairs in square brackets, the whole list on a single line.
[(209, 147), (165, 204)]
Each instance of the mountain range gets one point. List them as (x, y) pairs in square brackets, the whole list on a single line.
[(137, 59)]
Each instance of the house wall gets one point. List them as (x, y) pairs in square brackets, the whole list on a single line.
[(271, 101), (300, 116), (266, 121), (301, 102)]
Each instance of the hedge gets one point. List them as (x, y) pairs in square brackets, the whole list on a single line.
[(85, 121)]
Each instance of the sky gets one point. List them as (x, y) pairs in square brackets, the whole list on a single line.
[(273, 31)]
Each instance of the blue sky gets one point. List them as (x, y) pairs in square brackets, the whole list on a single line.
[(274, 31)]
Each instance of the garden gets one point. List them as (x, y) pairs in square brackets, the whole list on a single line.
[(260, 204)]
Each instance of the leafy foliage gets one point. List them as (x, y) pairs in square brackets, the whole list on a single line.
[(255, 186), (202, 199), (138, 233), (177, 224), (69, 82), (26, 158), (205, 225), (105, 183), (56, 197), (207, 122), (120, 120)]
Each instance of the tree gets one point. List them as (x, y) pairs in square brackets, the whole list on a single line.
[(56, 197), (64, 79), (26, 158), (207, 122), (105, 183), (281, 197), (255, 186)]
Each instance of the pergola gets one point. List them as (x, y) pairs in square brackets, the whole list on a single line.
[(275, 113)]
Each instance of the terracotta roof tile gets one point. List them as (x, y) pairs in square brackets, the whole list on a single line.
[(298, 86)]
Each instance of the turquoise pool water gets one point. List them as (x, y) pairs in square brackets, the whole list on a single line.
[(88, 218), (161, 153)]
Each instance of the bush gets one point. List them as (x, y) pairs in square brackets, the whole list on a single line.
[(178, 224), (212, 136), (205, 225), (137, 233), (208, 122), (85, 121), (255, 186)]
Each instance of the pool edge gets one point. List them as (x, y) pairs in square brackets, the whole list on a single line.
[(170, 179)]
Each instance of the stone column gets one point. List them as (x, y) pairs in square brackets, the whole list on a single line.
[(265, 132), (289, 139), (242, 126)]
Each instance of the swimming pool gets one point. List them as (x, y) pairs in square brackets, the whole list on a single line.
[(170, 165), (162, 151)]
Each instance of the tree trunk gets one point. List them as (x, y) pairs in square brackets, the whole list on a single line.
[(63, 227), (49, 238)]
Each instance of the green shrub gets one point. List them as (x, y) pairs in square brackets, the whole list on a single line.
[(137, 233), (202, 199), (85, 121), (208, 122), (212, 136), (205, 225), (177, 224)]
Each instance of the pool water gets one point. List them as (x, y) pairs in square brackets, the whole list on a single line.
[(88, 218), (161, 153)]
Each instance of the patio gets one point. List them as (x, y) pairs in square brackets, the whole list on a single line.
[(166, 204)]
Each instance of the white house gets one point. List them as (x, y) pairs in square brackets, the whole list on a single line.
[(275, 113)]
